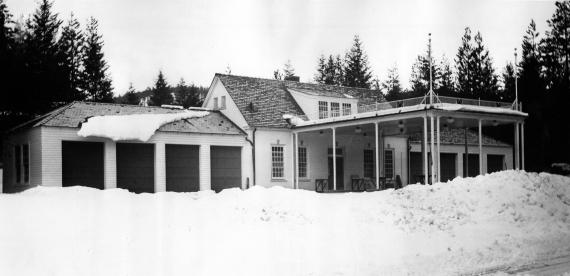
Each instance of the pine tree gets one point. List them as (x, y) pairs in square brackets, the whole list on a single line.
[(508, 79), (161, 92), (420, 78), (130, 96), (445, 84), (71, 43), (392, 85), (485, 82), (288, 70), (531, 84), (356, 69), (320, 75), (96, 82), (463, 66), (187, 96), (6, 78), (46, 80)]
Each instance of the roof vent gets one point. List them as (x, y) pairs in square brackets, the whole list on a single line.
[(292, 78)]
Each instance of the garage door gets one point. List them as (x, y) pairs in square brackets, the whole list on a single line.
[(448, 170), (473, 164), (82, 164), (226, 167), (135, 167), (182, 172), (495, 162)]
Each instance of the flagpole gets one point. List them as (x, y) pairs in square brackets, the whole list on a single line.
[(516, 85)]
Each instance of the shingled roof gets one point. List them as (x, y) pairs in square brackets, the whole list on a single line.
[(263, 102), (456, 136), (73, 114)]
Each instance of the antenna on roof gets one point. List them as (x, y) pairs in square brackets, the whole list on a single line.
[(516, 80), (431, 94)]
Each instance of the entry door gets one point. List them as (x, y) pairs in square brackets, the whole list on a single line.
[(339, 173)]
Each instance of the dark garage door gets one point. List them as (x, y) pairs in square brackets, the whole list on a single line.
[(182, 172), (473, 164), (82, 164), (494, 162), (226, 167), (135, 167), (447, 166)]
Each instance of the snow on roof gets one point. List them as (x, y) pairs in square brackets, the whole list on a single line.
[(476, 108), (131, 127)]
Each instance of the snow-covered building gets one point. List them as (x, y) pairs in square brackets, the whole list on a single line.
[(253, 131)]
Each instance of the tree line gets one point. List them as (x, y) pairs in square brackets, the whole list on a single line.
[(46, 62)]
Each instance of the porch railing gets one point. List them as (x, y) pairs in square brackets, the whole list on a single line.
[(438, 99)]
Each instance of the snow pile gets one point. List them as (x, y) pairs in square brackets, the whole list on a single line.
[(465, 226), (292, 119), (132, 127)]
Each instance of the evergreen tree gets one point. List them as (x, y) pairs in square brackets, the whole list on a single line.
[(392, 85), (161, 92), (130, 96), (288, 70), (445, 84), (47, 80), (320, 75), (463, 66), (71, 43), (187, 96), (420, 78), (277, 74), (97, 84), (6, 60), (508, 78), (356, 69), (485, 82)]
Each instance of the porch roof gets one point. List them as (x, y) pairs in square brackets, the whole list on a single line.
[(463, 112)]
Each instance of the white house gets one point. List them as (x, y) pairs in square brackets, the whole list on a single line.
[(269, 132)]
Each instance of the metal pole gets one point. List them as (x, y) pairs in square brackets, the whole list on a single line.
[(430, 73), (438, 153), (432, 149), (480, 149), (516, 85), (466, 163), (425, 152), (522, 144), (517, 146), (376, 156), (334, 157)]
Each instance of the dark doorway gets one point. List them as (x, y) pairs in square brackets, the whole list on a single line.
[(339, 173), (473, 169), (495, 162), (448, 166), (135, 167), (225, 167), (182, 168), (83, 164)]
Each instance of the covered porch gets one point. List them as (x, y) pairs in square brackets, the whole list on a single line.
[(372, 147)]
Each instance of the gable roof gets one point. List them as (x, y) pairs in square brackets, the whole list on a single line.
[(263, 102), (75, 113), (456, 136)]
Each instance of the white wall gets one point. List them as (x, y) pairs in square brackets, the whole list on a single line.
[(310, 103), (507, 152), (264, 139), (33, 139), (217, 90)]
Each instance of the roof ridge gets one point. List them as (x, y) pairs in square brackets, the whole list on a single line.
[(288, 81)]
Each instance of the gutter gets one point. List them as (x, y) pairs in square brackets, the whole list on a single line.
[(252, 143)]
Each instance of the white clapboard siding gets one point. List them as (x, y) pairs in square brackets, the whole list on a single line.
[(33, 139)]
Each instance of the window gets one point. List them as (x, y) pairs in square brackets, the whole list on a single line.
[(389, 163), (323, 109), (22, 163), (277, 162), (223, 103), (346, 109), (302, 160), (368, 163), (26, 162), (335, 109), (216, 103), (18, 162)]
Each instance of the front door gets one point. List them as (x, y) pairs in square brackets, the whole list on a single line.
[(339, 173)]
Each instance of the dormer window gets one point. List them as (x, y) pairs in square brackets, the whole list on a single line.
[(323, 109), (346, 109), (335, 109), (216, 103)]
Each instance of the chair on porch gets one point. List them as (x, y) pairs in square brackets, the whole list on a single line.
[(357, 184), (321, 185)]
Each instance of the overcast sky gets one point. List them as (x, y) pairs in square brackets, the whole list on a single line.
[(194, 39)]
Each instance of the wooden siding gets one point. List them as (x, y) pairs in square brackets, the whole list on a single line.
[(33, 139)]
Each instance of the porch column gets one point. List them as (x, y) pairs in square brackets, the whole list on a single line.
[(517, 146), (425, 152), (480, 149), (296, 161), (376, 156), (334, 156), (432, 150), (466, 161), (159, 167), (438, 153), (110, 164), (205, 167), (522, 144)]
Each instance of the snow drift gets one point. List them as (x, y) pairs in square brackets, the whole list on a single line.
[(463, 226), (132, 127)]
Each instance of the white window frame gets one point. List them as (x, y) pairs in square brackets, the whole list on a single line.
[(346, 109), (323, 109), (274, 162), (223, 103), (215, 102), (335, 109), (386, 163), (306, 162)]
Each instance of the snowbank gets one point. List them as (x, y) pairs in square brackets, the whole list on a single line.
[(463, 226), (131, 127)]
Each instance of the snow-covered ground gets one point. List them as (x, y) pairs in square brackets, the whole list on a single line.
[(463, 226)]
